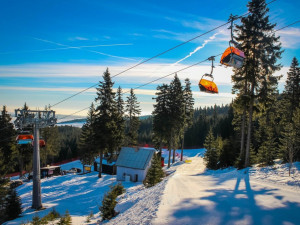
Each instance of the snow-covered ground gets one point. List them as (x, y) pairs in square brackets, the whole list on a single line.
[(191, 194)]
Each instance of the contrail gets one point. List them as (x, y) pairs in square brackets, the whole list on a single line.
[(197, 49), (101, 53), (54, 49)]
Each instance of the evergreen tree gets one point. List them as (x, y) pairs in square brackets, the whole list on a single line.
[(160, 116), (3, 193), (13, 205), (51, 150), (265, 136), (262, 49), (292, 88), (176, 116), (109, 201), (66, 219), (87, 144), (105, 126), (290, 140), (120, 118), (133, 111), (8, 146), (155, 172), (188, 110), (211, 155)]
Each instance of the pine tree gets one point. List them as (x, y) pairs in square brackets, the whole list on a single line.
[(292, 87), (133, 111), (176, 116), (109, 203), (155, 172), (13, 205), (3, 193), (120, 118), (265, 135), (188, 111), (290, 139), (160, 116), (8, 147), (66, 219), (262, 49), (211, 155), (87, 144), (51, 150), (105, 126)]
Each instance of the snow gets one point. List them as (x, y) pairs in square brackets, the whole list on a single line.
[(195, 195), (191, 194)]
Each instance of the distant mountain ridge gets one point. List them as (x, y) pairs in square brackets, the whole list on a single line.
[(84, 120)]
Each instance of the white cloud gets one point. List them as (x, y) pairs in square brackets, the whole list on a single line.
[(131, 79), (290, 37), (140, 75)]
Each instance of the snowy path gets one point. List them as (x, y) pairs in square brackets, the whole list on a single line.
[(196, 196)]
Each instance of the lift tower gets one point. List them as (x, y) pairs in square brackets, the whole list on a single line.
[(35, 119)]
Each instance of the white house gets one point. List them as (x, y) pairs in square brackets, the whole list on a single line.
[(133, 164)]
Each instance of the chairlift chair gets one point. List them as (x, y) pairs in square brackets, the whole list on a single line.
[(233, 56), (23, 139), (206, 83)]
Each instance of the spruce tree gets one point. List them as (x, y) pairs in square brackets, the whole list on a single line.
[(120, 118), (211, 155), (155, 172), (87, 142), (105, 126), (262, 49), (290, 139), (51, 150), (8, 146), (176, 115), (160, 116), (109, 201), (13, 205), (133, 111), (188, 111), (292, 87)]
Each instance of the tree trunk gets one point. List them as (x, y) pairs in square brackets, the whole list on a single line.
[(173, 160), (247, 155), (160, 147), (242, 150), (169, 162), (20, 164), (100, 164), (182, 143)]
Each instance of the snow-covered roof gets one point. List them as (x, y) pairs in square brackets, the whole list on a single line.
[(136, 158)]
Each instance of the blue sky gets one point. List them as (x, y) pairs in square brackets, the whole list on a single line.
[(52, 49)]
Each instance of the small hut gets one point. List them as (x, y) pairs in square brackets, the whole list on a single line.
[(50, 171), (133, 164)]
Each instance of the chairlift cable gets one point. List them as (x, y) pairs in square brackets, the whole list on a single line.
[(153, 57)]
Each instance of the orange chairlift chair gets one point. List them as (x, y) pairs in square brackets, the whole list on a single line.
[(206, 84), (232, 55), (24, 139)]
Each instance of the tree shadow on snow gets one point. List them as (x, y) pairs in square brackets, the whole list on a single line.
[(239, 206)]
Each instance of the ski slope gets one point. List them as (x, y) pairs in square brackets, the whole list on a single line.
[(195, 195), (191, 194)]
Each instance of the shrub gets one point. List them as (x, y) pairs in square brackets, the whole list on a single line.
[(118, 189), (66, 219), (109, 201), (13, 205), (155, 172)]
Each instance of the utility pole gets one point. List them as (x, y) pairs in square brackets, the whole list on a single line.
[(36, 119)]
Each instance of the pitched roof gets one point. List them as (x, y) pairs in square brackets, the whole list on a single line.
[(135, 158)]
